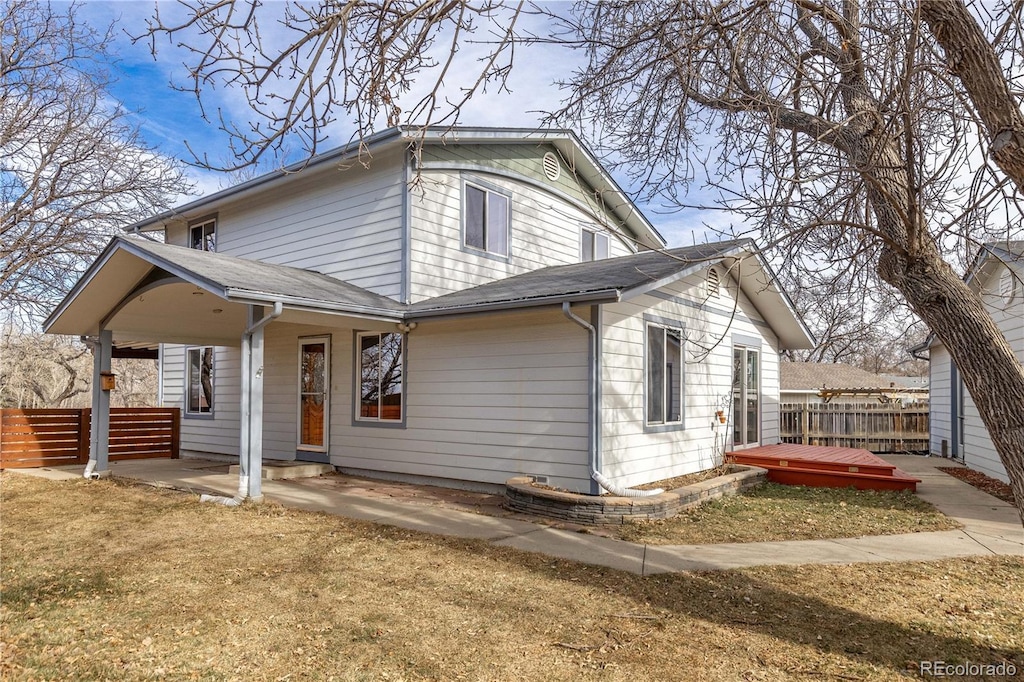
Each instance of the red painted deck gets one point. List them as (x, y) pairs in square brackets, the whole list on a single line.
[(825, 467)]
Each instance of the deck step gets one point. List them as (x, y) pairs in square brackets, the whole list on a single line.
[(280, 470), (826, 467)]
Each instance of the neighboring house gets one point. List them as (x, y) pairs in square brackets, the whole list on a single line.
[(956, 427), (814, 383), (508, 313)]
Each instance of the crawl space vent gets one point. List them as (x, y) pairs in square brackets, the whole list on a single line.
[(552, 169)]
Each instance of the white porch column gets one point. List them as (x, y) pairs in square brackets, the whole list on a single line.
[(99, 442), (250, 451)]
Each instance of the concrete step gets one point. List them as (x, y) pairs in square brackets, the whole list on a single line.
[(279, 470)]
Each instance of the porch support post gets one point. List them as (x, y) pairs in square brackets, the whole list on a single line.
[(250, 452), (99, 443)]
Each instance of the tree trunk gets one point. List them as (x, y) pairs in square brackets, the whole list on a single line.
[(990, 370)]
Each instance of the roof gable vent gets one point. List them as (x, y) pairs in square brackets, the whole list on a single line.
[(1008, 285), (712, 283), (552, 169)]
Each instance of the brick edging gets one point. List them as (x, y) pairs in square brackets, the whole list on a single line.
[(522, 496)]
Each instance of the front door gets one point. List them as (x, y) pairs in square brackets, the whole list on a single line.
[(314, 398), (746, 397)]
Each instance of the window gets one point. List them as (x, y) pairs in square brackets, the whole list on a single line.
[(203, 235), (314, 394), (199, 392), (381, 372), (593, 245), (664, 375), (746, 396), (486, 220)]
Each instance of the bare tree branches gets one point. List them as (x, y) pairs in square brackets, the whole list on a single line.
[(73, 169), (316, 60)]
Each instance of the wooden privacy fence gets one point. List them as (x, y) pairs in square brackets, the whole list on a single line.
[(42, 437), (874, 427)]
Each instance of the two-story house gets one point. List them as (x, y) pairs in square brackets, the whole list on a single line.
[(489, 304)]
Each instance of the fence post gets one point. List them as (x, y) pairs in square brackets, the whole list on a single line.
[(175, 432), (84, 425), (804, 420)]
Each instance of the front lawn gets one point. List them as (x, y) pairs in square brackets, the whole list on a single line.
[(102, 580), (790, 512)]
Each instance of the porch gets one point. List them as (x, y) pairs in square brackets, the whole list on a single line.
[(826, 467)]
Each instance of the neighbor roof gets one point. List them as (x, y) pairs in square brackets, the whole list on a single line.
[(814, 376)]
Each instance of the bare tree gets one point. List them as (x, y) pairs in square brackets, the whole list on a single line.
[(43, 371), (73, 169), (360, 58)]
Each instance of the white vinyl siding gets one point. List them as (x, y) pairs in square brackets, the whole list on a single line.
[(940, 398), (631, 456), (206, 435), (346, 223), (544, 230), (487, 398)]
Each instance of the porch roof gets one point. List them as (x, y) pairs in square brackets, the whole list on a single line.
[(130, 268)]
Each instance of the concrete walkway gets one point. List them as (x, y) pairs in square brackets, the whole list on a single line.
[(991, 526)]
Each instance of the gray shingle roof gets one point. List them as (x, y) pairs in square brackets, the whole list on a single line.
[(263, 280), (805, 376), (580, 279)]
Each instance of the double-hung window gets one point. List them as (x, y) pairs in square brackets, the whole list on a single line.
[(202, 235), (664, 375), (593, 245), (381, 376), (485, 220), (199, 388)]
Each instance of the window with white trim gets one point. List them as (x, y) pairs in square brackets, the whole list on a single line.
[(381, 376), (664, 375), (202, 235), (485, 220), (199, 386), (593, 245)]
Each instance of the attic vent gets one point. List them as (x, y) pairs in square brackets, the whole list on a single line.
[(552, 169), (1008, 285), (712, 283)]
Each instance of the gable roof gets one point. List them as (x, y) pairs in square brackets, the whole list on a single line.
[(128, 265), (567, 142), (814, 376), (988, 257)]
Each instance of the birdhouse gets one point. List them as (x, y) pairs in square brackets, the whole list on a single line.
[(108, 381)]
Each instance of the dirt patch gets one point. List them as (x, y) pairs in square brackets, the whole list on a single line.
[(787, 512), (110, 581), (680, 481), (992, 486)]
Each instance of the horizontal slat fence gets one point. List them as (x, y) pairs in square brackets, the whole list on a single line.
[(54, 437), (879, 428)]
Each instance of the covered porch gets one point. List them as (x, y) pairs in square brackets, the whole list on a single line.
[(143, 292)]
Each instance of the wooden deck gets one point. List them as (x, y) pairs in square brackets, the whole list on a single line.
[(825, 467)]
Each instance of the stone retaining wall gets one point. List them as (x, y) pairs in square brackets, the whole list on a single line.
[(522, 496)]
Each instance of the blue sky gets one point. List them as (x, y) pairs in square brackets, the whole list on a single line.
[(169, 118)]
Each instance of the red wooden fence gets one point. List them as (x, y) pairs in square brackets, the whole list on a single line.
[(45, 437)]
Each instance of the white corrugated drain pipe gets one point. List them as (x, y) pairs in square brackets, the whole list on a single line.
[(243, 481), (595, 424)]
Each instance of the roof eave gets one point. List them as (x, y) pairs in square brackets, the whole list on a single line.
[(592, 297)]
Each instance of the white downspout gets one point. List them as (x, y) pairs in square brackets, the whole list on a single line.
[(595, 407), (245, 468)]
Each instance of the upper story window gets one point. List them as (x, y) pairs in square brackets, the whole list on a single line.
[(485, 220), (202, 235), (593, 245)]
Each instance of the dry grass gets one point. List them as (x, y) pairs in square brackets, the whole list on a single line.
[(786, 512), (106, 581)]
